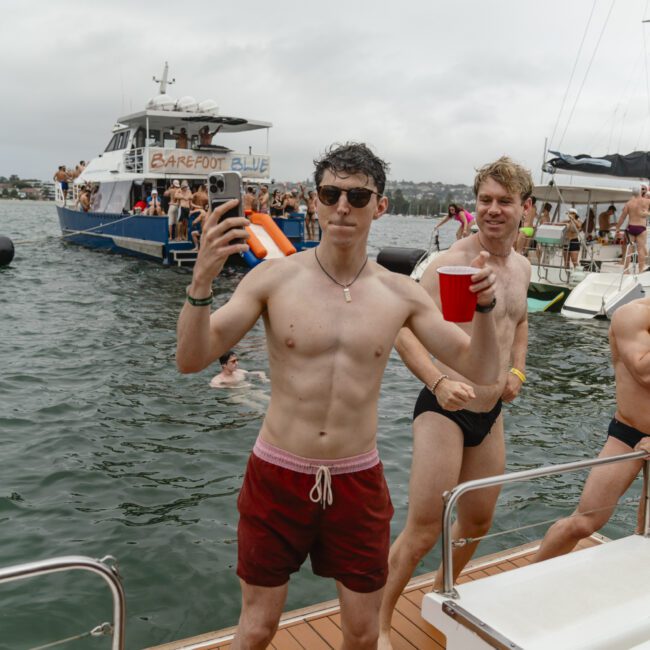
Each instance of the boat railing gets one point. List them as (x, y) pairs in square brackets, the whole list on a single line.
[(451, 497), (100, 567), (134, 160)]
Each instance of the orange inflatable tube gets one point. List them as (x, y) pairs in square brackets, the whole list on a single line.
[(264, 220), (256, 246)]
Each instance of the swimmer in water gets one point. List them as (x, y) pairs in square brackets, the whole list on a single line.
[(231, 374)]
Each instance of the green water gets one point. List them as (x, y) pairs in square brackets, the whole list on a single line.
[(106, 449)]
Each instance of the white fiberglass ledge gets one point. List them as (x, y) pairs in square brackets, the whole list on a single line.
[(594, 599)]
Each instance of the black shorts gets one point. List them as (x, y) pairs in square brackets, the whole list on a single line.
[(184, 214), (626, 434), (573, 245), (475, 426)]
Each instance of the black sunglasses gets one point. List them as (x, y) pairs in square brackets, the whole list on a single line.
[(358, 197)]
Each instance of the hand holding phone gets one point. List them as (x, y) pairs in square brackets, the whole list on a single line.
[(223, 187)]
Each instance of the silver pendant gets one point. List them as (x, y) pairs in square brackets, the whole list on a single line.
[(346, 293)]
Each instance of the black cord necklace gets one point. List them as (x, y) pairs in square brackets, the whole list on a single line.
[(346, 287), (489, 251)]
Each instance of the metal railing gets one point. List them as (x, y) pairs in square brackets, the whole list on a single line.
[(58, 564), (451, 497)]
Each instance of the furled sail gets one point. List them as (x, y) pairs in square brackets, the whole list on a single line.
[(632, 165)]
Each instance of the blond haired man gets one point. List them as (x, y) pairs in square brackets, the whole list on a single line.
[(458, 426)]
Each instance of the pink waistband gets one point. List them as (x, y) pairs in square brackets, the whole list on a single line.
[(272, 454)]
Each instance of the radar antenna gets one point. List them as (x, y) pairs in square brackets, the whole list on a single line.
[(164, 82)]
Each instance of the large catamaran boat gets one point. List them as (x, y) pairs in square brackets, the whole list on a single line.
[(150, 149)]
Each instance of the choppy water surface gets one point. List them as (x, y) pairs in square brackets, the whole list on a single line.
[(107, 449)]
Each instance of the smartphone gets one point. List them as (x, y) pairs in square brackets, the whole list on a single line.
[(223, 187)]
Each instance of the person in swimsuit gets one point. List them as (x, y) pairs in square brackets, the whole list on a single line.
[(572, 244), (314, 484), (231, 374), (62, 177), (605, 222), (310, 217), (524, 238), (456, 211), (173, 210), (457, 425), (636, 210), (263, 200), (629, 342), (205, 135)]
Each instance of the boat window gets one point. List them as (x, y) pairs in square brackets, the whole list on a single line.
[(154, 138), (118, 141)]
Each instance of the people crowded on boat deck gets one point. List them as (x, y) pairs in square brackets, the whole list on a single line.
[(200, 199), (310, 217), (572, 238), (205, 135), (458, 213), (184, 196), (290, 203), (181, 138), (154, 206), (605, 222), (629, 430), (84, 198), (458, 432), (174, 207), (263, 200), (250, 199), (231, 374), (79, 169), (139, 206), (276, 203), (527, 229), (636, 211), (62, 177), (314, 484)]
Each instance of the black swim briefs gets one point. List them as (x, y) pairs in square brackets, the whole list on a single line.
[(626, 434), (475, 426)]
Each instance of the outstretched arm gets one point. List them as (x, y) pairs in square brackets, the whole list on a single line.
[(476, 358), (202, 338), (440, 223)]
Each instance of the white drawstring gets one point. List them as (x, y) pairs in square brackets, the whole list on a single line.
[(323, 493)]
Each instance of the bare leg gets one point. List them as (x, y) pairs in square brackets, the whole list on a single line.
[(437, 458), (359, 618), (603, 489), (476, 508), (260, 614), (641, 244)]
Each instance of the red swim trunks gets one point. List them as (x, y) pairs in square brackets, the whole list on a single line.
[(336, 511)]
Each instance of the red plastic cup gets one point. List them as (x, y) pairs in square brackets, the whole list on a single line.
[(458, 302)]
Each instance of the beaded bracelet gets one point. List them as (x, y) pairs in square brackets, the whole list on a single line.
[(518, 373), (198, 302), (433, 386)]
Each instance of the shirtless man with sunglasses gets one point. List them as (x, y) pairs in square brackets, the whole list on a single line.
[(636, 210), (314, 484)]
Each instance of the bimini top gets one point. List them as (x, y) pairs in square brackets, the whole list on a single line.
[(162, 119), (580, 194)]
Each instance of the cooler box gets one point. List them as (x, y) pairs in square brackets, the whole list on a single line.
[(550, 235)]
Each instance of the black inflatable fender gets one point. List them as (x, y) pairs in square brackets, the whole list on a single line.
[(399, 259)]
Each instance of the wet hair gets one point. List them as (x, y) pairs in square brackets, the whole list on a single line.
[(352, 158), (547, 206), (515, 178), (225, 358), (456, 206)]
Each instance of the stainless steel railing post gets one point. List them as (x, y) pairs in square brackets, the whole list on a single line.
[(55, 565), (450, 498)]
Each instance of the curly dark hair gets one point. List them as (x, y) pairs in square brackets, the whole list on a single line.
[(352, 158)]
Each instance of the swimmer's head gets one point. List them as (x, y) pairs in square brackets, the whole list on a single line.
[(225, 358)]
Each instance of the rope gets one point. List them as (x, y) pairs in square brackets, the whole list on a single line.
[(584, 79), (105, 629), (575, 65), (463, 541), (76, 232)]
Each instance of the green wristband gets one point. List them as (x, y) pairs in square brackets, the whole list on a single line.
[(198, 302)]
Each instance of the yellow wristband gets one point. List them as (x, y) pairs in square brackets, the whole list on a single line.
[(517, 373)]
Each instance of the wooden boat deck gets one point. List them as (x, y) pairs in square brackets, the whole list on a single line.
[(319, 627)]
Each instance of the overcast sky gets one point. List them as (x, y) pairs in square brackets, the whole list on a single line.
[(435, 87)]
